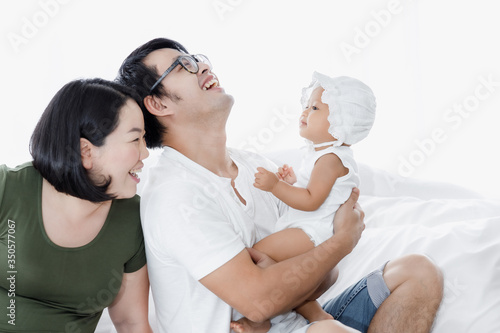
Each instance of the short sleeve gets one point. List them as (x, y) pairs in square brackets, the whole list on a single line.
[(185, 225), (139, 259), (3, 180)]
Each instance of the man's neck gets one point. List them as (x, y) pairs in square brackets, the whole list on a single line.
[(207, 149)]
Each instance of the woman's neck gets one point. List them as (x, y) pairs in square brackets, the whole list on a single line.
[(70, 221), (75, 207)]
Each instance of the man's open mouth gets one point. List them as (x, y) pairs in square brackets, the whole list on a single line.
[(211, 84)]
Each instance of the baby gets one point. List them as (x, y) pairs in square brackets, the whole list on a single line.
[(338, 112)]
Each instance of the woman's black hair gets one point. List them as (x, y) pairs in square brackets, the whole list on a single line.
[(135, 74), (85, 108)]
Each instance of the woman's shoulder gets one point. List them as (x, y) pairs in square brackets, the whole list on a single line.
[(26, 168), (124, 219), (127, 207), (17, 177)]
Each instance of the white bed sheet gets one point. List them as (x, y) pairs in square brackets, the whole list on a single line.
[(457, 228)]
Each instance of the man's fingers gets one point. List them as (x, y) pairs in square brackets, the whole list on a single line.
[(353, 199), (360, 210)]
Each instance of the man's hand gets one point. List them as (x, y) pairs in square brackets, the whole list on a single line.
[(286, 174), (348, 222), (265, 180), (252, 275)]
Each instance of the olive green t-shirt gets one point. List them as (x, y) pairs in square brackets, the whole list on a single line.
[(48, 288)]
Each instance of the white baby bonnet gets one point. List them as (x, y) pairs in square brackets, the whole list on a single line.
[(351, 104)]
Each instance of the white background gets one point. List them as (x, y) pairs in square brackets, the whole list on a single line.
[(421, 58)]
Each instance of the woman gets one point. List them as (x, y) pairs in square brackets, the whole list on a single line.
[(70, 234)]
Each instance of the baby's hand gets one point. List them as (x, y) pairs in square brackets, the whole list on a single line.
[(265, 180), (286, 174)]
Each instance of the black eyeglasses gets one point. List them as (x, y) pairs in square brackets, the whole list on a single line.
[(189, 62)]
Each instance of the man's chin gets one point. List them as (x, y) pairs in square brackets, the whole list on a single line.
[(227, 103), (231, 98)]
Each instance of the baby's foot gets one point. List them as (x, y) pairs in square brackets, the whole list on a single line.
[(246, 326)]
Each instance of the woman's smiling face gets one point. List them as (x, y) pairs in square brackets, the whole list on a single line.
[(120, 158)]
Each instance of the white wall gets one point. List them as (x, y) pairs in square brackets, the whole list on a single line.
[(424, 60)]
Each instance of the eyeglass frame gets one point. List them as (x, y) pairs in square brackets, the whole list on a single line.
[(178, 62)]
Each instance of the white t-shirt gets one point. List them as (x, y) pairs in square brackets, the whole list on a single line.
[(193, 223), (318, 224)]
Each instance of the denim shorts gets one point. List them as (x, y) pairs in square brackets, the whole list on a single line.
[(356, 306)]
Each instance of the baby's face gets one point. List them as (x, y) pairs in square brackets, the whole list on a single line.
[(313, 123)]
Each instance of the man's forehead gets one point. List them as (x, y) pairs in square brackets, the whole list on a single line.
[(161, 58)]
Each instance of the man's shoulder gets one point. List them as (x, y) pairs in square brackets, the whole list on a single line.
[(170, 167), (174, 180)]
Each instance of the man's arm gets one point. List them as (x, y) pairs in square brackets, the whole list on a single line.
[(261, 293), (325, 172)]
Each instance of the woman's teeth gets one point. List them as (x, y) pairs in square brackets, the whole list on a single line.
[(135, 172)]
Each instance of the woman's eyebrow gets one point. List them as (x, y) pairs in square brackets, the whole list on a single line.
[(135, 129)]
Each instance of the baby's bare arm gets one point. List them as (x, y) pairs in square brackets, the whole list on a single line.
[(325, 172)]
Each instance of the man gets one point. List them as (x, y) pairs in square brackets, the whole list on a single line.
[(201, 215)]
